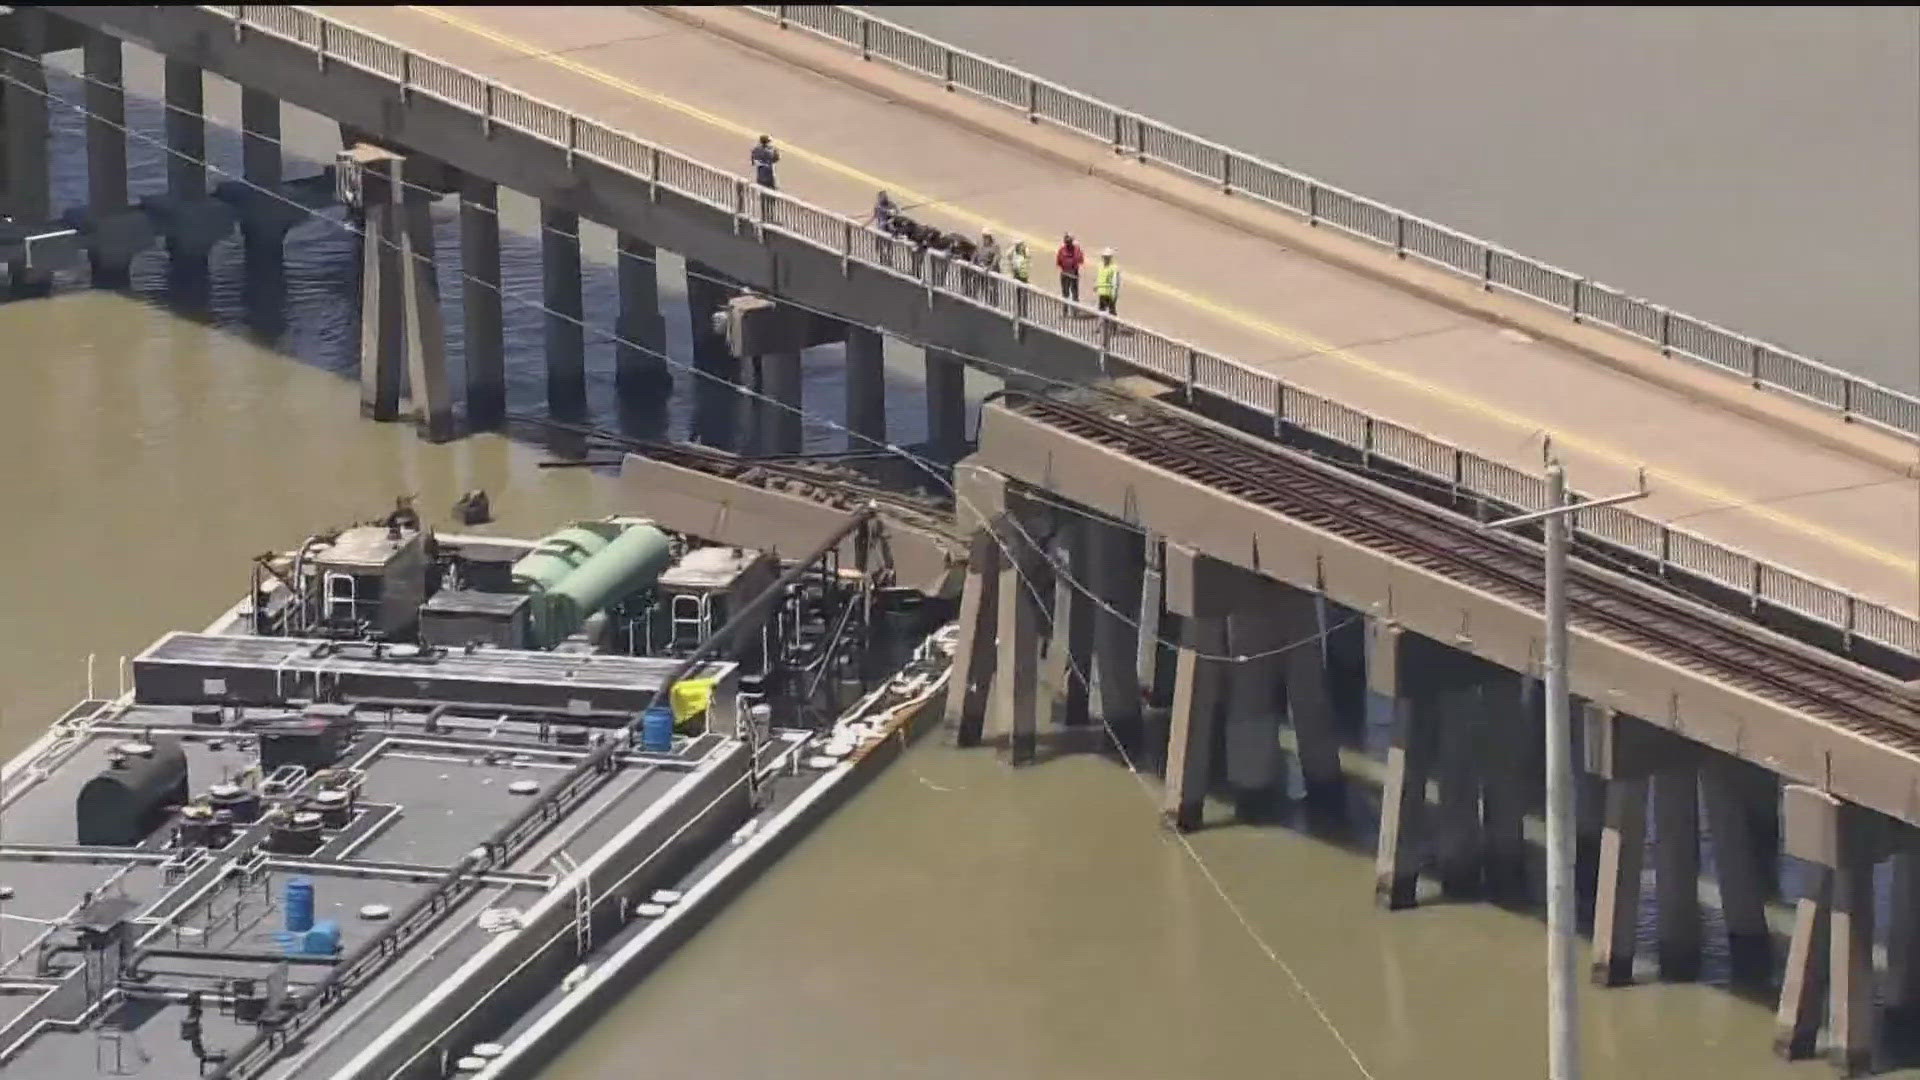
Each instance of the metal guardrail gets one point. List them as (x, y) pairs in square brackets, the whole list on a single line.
[(1406, 235), (1123, 346)]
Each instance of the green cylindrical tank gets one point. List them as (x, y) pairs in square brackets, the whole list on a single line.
[(632, 561), (562, 553)]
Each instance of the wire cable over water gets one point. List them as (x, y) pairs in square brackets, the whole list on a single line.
[(931, 468)]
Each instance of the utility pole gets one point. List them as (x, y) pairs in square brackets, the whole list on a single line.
[(1563, 1043)]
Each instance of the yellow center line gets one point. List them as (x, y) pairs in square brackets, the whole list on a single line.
[(1465, 402)]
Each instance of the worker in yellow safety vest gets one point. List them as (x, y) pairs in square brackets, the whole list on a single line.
[(1017, 262), (1106, 284)]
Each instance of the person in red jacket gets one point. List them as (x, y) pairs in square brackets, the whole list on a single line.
[(1068, 259)]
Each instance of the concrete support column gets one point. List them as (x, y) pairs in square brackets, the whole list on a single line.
[(1070, 648), (28, 137), (1153, 576), (484, 331), (1200, 590), (1016, 700), (430, 401), (1803, 987), (1255, 772), (1833, 931), (1403, 796), (714, 396), (1310, 697), (1616, 908), (1462, 841), (566, 337), (1903, 931), (946, 406), (1117, 562), (1852, 1009), (263, 235), (1676, 856), (1510, 763), (974, 653), (781, 431), (640, 356), (866, 388), (106, 99), (382, 297), (186, 128), (1742, 892)]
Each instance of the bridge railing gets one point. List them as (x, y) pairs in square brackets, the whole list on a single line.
[(1406, 235), (1124, 347)]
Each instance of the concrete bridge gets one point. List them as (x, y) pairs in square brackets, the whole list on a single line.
[(1426, 362)]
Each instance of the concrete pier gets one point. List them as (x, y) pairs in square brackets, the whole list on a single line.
[(1852, 1011), (1403, 797), (975, 653), (1070, 651), (483, 333), (382, 296), (1147, 659), (1200, 591), (106, 101), (1016, 700), (1803, 986), (866, 386), (1509, 759), (1737, 861), (946, 405), (429, 401), (1903, 932), (640, 356), (780, 429), (1833, 936), (1116, 559), (1676, 856), (261, 165), (566, 340), (403, 366), (717, 371), (1255, 772), (29, 190), (1616, 907), (1461, 837), (186, 128), (1309, 697)]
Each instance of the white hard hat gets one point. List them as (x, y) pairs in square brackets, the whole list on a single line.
[(1106, 253)]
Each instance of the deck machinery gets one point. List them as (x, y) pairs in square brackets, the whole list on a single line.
[(390, 808)]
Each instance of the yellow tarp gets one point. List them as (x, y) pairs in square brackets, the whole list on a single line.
[(691, 698)]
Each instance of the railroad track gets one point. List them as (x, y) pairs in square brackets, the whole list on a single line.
[(1434, 539)]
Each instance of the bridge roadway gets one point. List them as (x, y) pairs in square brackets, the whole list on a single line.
[(1744, 467)]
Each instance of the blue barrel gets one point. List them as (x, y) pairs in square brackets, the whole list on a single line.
[(656, 730), (300, 904), (323, 939)]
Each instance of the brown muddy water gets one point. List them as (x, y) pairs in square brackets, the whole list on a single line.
[(957, 920)]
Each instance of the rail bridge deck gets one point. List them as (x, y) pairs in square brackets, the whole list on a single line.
[(1777, 479)]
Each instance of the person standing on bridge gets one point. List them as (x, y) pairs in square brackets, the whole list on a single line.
[(1018, 264), (1068, 259), (1106, 285), (764, 157), (884, 211), (988, 257)]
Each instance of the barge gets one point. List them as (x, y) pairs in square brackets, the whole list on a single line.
[(422, 804)]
